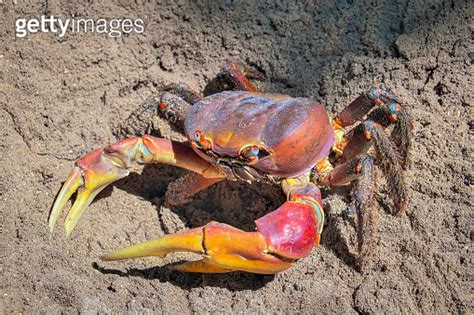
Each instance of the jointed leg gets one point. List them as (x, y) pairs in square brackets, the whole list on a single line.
[(171, 105), (184, 91), (352, 163), (173, 109), (360, 139), (101, 167), (356, 110), (142, 121), (233, 76), (391, 154), (361, 170), (363, 195), (388, 111), (393, 113)]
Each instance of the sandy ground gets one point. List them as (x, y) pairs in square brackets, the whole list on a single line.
[(62, 97)]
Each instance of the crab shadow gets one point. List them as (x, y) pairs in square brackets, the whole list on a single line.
[(234, 281), (332, 236), (234, 203)]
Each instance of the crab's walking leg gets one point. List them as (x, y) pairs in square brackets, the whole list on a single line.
[(391, 154), (356, 110), (142, 120), (167, 106), (388, 111), (393, 113), (361, 170), (286, 234), (234, 76), (101, 167), (184, 91), (360, 139), (173, 109), (171, 105)]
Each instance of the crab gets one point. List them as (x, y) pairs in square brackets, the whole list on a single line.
[(238, 133)]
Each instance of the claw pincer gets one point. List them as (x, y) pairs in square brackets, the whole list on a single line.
[(91, 175), (286, 234), (102, 167)]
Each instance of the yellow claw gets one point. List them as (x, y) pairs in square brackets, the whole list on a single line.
[(84, 198), (72, 183), (187, 241), (103, 166), (223, 249), (90, 176)]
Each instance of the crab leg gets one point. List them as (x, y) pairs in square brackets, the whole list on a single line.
[(101, 167), (173, 108), (360, 139), (234, 76), (286, 234), (387, 111), (168, 106), (356, 110), (184, 91), (360, 169), (391, 153), (357, 140), (393, 113)]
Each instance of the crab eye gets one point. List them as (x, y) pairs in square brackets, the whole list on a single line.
[(253, 154), (198, 135), (198, 139)]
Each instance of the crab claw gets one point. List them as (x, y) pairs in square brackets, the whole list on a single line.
[(223, 249), (102, 167), (90, 176), (282, 236), (190, 241)]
